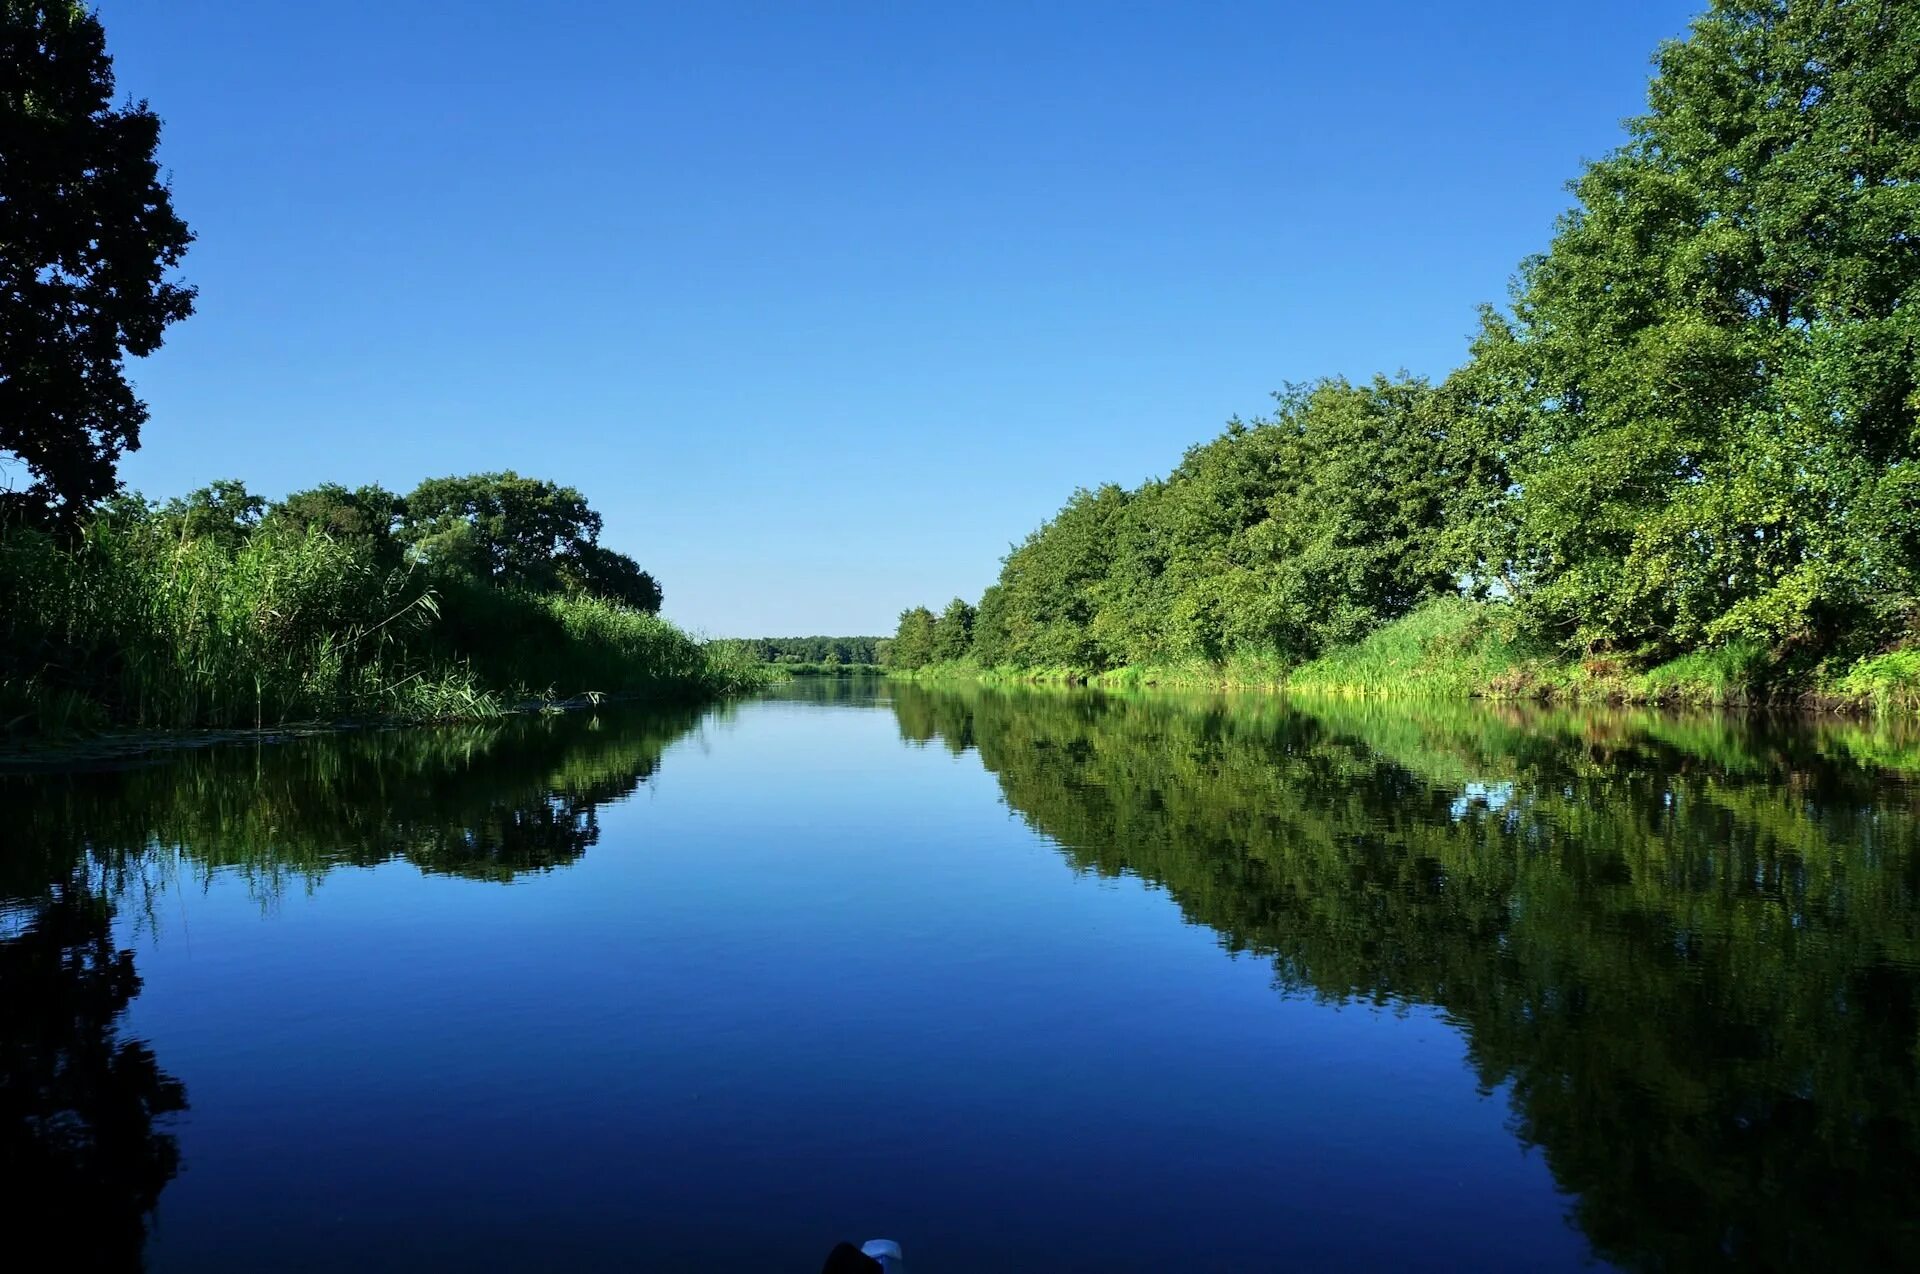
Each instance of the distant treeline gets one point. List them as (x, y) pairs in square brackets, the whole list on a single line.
[(1695, 429), (464, 596), (814, 650)]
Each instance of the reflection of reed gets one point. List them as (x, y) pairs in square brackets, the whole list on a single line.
[(488, 801)]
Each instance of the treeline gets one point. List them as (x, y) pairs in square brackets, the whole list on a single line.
[(1695, 429), (222, 608), (845, 651)]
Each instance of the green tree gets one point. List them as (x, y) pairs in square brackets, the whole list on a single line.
[(369, 513), (1280, 536), (913, 640), (1706, 391), (223, 511), (601, 572), (88, 239), (502, 528), (953, 631)]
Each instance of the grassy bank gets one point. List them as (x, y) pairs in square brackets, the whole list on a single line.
[(780, 671), (140, 626), (1454, 648)]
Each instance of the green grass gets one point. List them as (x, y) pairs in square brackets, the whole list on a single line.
[(1731, 675), (1456, 648), (804, 669), (137, 627), (1889, 683), (1450, 648)]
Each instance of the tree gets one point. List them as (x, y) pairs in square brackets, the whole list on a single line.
[(601, 572), (368, 513), (953, 631), (1280, 536), (223, 511), (1707, 388), (88, 239), (504, 529), (913, 640)]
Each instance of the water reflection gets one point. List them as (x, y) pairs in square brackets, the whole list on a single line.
[(487, 802), (1691, 946), (84, 1112)]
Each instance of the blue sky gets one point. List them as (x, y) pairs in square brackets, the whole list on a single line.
[(825, 304)]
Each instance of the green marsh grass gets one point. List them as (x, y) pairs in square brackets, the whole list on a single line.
[(136, 626)]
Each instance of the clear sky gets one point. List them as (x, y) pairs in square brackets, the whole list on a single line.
[(823, 304)]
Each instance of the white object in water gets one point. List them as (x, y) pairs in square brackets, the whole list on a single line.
[(887, 1252)]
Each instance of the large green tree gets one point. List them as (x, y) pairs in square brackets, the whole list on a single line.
[(88, 241), (1705, 396), (367, 513), (913, 640), (953, 631)]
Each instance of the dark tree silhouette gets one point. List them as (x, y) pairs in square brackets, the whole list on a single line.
[(88, 237)]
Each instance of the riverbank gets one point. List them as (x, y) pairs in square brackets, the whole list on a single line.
[(1455, 648), (144, 626)]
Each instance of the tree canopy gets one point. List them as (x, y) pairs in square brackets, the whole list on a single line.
[(913, 640), (1697, 425), (1706, 391), (88, 243), (520, 533)]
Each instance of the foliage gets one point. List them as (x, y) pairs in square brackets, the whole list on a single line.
[(209, 611), (1693, 437), (370, 513), (913, 640), (1282, 536), (827, 670), (224, 512), (1708, 383), (520, 532), (88, 239), (953, 631), (824, 651), (1889, 682), (1450, 648)]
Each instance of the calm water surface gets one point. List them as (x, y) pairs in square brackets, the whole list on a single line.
[(1047, 981)]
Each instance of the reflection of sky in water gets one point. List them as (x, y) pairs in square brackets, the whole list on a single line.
[(1492, 797), (1108, 981)]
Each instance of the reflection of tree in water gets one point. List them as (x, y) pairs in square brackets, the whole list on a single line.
[(489, 802), (80, 1149), (1691, 948), (82, 1156)]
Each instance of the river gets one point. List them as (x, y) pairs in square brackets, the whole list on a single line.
[(1022, 979)]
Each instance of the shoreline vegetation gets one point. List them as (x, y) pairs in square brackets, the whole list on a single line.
[(1681, 466), (786, 657), (469, 598), (1456, 648)]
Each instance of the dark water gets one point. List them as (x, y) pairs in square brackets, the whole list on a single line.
[(1037, 981)]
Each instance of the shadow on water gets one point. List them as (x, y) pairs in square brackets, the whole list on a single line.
[(84, 1113), (1690, 947)]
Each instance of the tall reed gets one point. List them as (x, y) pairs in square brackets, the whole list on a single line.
[(137, 624)]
